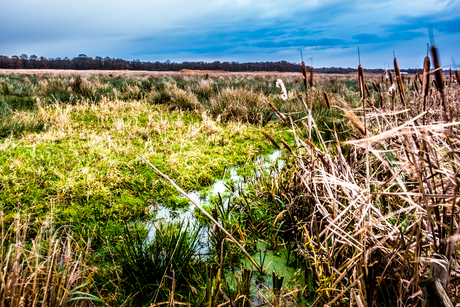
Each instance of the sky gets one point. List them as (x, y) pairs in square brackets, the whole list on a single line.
[(328, 32)]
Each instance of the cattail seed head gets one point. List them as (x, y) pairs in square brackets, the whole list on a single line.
[(311, 76), (326, 97), (402, 94), (458, 76), (361, 81), (286, 145), (304, 73), (397, 71), (426, 76), (356, 122), (367, 89), (265, 133), (391, 77), (375, 87), (280, 115), (438, 72)]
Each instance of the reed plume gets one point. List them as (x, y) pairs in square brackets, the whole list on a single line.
[(280, 85)]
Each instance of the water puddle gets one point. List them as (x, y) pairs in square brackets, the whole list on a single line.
[(187, 215)]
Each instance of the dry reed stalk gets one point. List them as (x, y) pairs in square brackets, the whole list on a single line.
[(265, 133), (326, 98), (356, 122), (280, 115)]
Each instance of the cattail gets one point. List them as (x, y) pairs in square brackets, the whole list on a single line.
[(458, 76), (391, 77), (361, 81), (286, 145), (311, 76), (265, 133), (304, 73), (438, 71), (367, 89), (280, 85), (399, 81), (326, 97), (361, 89), (450, 75), (356, 122), (283, 118), (397, 71), (375, 87), (439, 78), (402, 94)]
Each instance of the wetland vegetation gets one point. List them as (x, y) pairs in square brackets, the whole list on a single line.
[(361, 199)]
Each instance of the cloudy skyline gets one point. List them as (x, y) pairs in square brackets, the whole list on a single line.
[(233, 30)]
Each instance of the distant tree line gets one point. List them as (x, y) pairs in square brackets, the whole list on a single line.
[(83, 62)]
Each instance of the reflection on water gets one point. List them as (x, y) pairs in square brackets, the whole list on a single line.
[(186, 215)]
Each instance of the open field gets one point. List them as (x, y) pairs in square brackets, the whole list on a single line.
[(362, 200)]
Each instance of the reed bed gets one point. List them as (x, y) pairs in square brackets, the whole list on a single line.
[(48, 270), (371, 216)]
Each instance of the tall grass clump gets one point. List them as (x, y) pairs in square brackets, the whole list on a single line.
[(148, 268)]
